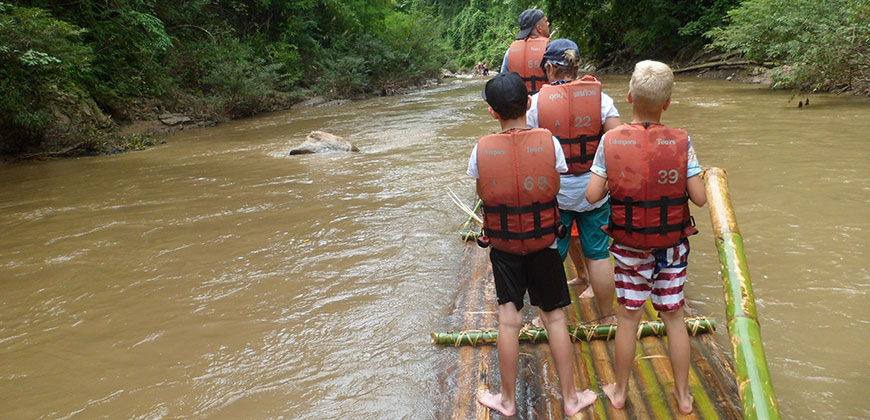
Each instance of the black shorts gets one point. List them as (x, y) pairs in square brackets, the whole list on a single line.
[(541, 273)]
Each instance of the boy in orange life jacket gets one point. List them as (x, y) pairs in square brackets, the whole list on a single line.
[(517, 174), (649, 170)]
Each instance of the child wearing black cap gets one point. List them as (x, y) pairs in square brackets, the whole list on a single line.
[(517, 173)]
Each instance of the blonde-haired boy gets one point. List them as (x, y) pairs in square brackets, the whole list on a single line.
[(650, 171)]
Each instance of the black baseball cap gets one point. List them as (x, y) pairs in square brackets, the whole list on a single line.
[(527, 21), (503, 90)]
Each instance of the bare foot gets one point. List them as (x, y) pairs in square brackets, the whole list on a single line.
[(615, 400), (588, 293), (494, 402), (578, 280), (685, 405), (584, 399)]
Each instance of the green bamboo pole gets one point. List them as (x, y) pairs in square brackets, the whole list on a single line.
[(656, 328), (470, 235), (474, 210), (753, 378)]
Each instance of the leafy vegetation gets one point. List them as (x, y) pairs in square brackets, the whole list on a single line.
[(619, 32), (71, 70), (815, 43)]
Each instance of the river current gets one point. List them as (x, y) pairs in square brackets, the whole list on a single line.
[(215, 276)]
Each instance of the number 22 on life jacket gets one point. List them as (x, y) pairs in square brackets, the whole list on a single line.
[(646, 175), (525, 58), (572, 112), (518, 181)]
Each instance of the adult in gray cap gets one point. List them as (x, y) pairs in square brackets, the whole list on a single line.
[(577, 112), (524, 54)]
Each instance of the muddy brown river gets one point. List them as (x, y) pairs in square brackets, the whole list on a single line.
[(216, 277)]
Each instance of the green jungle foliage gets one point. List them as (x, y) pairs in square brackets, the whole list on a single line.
[(620, 32), (40, 56), (66, 65), (233, 54), (816, 43)]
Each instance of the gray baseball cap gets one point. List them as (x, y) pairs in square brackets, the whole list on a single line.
[(528, 19)]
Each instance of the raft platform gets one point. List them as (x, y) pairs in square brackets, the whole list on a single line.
[(472, 370)]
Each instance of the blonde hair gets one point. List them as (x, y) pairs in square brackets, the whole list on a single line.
[(651, 84), (572, 57)]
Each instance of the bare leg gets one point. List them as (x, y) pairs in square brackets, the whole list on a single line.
[(679, 350), (624, 355), (576, 254), (560, 345), (601, 277), (509, 323)]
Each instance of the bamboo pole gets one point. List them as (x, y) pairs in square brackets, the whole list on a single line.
[(470, 235), (470, 218), (753, 378), (531, 334)]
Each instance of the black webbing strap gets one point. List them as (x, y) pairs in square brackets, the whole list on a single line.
[(534, 80), (503, 234), (663, 203), (504, 210), (584, 157)]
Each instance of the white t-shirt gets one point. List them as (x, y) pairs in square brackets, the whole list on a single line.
[(561, 166), (572, 194)]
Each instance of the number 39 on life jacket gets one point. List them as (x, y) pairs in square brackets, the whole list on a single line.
[(646, 175)]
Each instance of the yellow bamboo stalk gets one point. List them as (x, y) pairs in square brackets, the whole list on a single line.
[(753, 378)]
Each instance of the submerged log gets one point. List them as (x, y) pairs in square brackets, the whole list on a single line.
[(699, 325)]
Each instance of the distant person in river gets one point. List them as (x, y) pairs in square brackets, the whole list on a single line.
[(485, 69), (651, 171), (517, 173), (524, 54), (577, 112)]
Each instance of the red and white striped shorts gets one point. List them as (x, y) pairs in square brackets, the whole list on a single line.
[(658, 274)]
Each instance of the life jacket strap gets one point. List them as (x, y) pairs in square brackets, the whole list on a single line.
[(663, 228), (582, 140), (534, 80), (532, 234), (504, 210)]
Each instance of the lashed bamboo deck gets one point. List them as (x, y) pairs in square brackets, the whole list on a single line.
[(474, 369)]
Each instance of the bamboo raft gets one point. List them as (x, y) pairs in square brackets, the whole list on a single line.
[(719, 391)]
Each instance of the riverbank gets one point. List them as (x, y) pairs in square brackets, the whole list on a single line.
[(147, 123)]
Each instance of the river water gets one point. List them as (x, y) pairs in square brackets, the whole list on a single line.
[(217, 277)]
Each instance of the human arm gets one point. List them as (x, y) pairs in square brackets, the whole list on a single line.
[(609, 113), (697, 192), (694, 183), (532, 112), (504, 63), (597, 188)]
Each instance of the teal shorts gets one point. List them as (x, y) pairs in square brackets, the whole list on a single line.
[(594, 241)]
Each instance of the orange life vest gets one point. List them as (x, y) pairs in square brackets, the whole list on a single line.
[(518, 186), (525, 58), (646, 175), (572, 112)]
